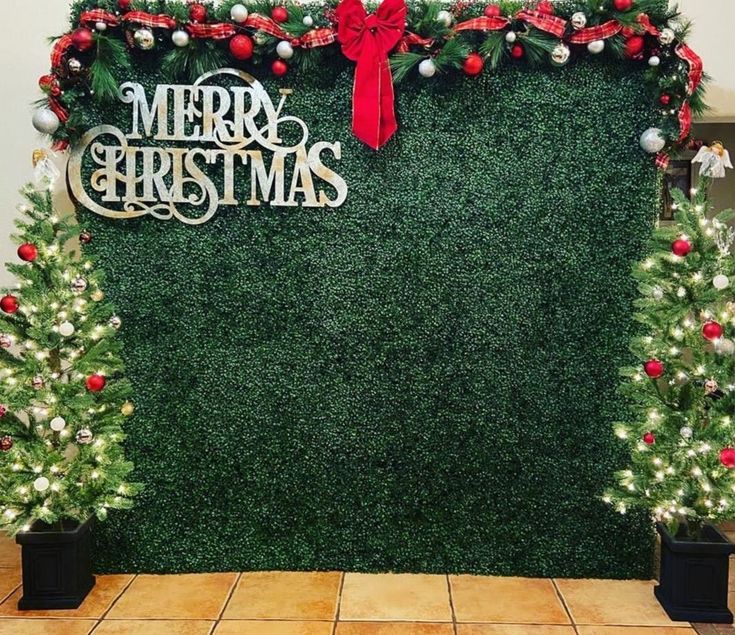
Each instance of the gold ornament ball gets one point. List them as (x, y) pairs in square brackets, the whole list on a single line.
[(144, 39), (127, 408), (98, 295)]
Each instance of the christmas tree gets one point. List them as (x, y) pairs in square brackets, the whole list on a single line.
[(62, 397), (682, 393)]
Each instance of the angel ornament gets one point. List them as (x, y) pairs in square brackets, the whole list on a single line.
[(714, 159)]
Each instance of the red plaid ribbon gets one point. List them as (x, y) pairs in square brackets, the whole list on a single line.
[(262, 23), (544, 22), (211, 31), (495, 23), (150, 20), (59, 50), (645, 22), (685, 121), (412, 39), (662, 161), (696, 68), (61, 112), (60, 146), (317, 37), (594, 33), (89, 18)]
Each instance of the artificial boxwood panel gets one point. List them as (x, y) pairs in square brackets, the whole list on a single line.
[(421, 380)]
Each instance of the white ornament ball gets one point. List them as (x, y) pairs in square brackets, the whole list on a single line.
[(511, 36), (427, 68), (239, 13), (560, 54), (579, 20), (444, 18), (180, 38), (284, 50), (101, 26), (721, 282), (724, 346), (57, 424), (41, 484), (66, 329), (144, 39), (652, 140), (596, 47), (666, 36), (654, 60), (308, 20), (686, 432), (657, 293), (45, 121)]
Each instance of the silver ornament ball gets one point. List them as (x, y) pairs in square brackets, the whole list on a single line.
[(686, 432), (444, 18), (720, 282), (657, 293), (37, 382), (239, 13), (180, 38), (652, 140), (579, 20), (66, 329), (511, 36), (84, 436), (101, 26), (57, 424), (666, 36), (308, 20), (724, 346), (115, 322), (654, 60), (427, 68), (144, 39), (284, 50), (596, 47), (74, 66), (6, 341), (79, 285), (560, 54), (45, 121), (41, 484)]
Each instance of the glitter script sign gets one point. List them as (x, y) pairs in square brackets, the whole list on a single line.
[(234, 133)]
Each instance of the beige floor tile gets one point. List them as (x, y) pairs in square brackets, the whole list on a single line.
[(46, 627), (635, 630), (187, 596), (9, 553), (285, 595), (506, 600), (514, 629), (392, 628), (396, 597), (9, 581), (103, 594), (154, 627), (614, 602), (255, 627)]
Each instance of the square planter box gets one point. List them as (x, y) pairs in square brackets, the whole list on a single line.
[(57, 566), (694, 577)]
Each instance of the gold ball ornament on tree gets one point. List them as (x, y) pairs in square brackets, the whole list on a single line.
[(127, 408), (84, 436), (666, 36), (45, 121), (97, 295), (144, 39), (578, 20)]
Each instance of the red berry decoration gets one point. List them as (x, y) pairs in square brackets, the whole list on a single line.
[(681, 247), (473, 65), (82, 39), (493, 11), (241, 47), (3, 410), (96, 382), (623, 5), (198, 13), (654, 368), (279, 67), (545, 6), (649, 438), (517, 52), (123, 4), (634, 46), (9, 304), (712, 330), (727, 457), (665, 100), (6, 443), (279, 14), (27, 252)]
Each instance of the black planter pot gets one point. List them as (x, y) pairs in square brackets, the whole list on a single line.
[(694, 577), (57, 566)]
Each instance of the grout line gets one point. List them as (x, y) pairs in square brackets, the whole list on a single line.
[(451, 605), (112, 604), (564, 604), (227, 600), (339, 603)]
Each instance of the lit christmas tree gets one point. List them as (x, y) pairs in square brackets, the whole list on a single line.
[(62, 399), (681, 430)]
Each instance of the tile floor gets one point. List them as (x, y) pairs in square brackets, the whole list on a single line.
[(335, 603)]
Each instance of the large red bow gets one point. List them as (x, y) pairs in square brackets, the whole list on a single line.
[(367, 40)]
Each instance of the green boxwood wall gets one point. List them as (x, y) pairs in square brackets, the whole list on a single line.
[(421, 380)]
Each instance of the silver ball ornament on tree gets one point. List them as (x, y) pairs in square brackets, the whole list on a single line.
[(6, 341), (511, 36), (596, 47), (100, 26), (41, 484), (427, 68), (38, 382), (144, 39), (724, 346), (444, 18), (57, 424), (284, 50), (66, 329), (180, 38), (560, 54), (657, 293), (74, 66), (686, 432), (666, 36), (710, 386), (84, 436), (653, 141), (45, 121), (720, 282), (579, 20), (79, 285), (308, 21), (239, 13), (115, 322), (654, 61)]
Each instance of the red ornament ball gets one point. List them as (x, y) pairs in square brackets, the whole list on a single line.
[(623, 5), (627, 32), (6, 443), (198, 13), (634, 46), (727, 457), (279, 67), (27, 252), (241, 47), (545, 6), (493, 11), (654, 368), (9, 303), (279, 14), (681, 247), (473, 65), (96, 382), (712, 330), (665, 100), (517, 52), (124, 4), (3, 410), (649, 438), (82, 39)]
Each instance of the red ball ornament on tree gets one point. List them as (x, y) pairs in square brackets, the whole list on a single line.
[(649, 438), (727, 457), (95, 382), (634, 46), (665, 100), (493, 11), (627, 32), (6, 443), (198, 13), (123, 4), (681, 247), (654, 368), (473, 65), (9, 304), (279, 14), (279, 68), (712, 330), (27, 252), (545, 6), (82, 39), (517, 52), (241, 47), (623, 5)]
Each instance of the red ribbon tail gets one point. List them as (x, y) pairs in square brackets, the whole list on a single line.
[(373, 114)]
